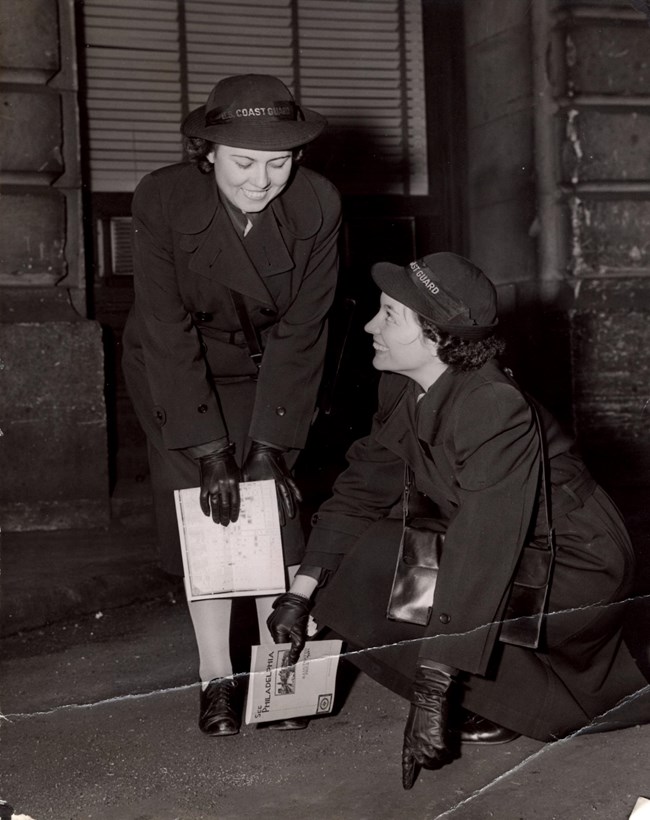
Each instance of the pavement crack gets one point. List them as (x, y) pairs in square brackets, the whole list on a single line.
[(105, 701), (551, 746), (345, 654)]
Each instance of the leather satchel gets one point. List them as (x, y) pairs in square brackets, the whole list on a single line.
[(416, 570), (418, 561)]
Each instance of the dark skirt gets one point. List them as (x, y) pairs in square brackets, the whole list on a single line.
[(583, 668), (173, 470)]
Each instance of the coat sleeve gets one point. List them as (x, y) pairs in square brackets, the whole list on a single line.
[(294, 354), (169, 340), (494, 449), (365, 492)]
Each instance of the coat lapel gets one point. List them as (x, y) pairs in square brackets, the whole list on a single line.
[(221, 254), (266, 248), (210, 237), (298, 210), (217, 250), (424, 418), (396, 426)]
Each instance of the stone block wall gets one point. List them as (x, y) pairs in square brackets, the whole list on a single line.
[(52, 409), (503, 224), (559, 208), (500, 138), (603, 96), (54, 442)]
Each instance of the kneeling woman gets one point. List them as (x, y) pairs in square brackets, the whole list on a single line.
[(475, 446)]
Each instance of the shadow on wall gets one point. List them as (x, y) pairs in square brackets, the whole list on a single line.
[(353, 159)]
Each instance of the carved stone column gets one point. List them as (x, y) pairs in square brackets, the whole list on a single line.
[(52, 410)]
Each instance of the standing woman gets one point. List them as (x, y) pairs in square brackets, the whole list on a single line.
[(235, 264)]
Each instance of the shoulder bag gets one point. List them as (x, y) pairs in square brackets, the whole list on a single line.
[(418, 561)]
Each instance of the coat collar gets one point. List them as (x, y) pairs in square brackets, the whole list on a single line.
[(298, 209), (216, 248), (195, 202), (426, 414), (435, 406)]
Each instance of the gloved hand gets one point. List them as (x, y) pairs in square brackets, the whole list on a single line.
[(265, 461), (288, 622), (220, 479), (425, 735)]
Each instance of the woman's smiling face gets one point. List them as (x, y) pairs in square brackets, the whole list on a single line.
[(400, 346), (250, 179)]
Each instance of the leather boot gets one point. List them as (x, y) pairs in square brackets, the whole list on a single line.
[(219, 713), (476, 729)]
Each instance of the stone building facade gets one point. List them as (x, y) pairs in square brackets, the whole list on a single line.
[(559, 204), (52, 407), (557, 210)]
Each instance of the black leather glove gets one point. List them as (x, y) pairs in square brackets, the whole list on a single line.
[(220, 479), (425, 735), (265, 461), (288, 622)]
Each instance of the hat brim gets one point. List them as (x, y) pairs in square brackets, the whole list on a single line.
[(276, 135), (395, 282), (392, 281)]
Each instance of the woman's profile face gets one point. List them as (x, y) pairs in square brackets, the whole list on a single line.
[(400, 346), (250, 179)]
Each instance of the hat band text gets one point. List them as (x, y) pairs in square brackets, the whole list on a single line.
[(283, 110), (445, 304)]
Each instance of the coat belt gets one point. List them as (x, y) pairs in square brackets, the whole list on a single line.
[(573, 494)]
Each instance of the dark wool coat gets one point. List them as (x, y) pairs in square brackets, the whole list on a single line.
[(472, 444), (186, 361)]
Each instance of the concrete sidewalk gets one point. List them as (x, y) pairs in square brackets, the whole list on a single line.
[(48, 577)]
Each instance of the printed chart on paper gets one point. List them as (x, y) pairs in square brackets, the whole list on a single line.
[(244, 558)]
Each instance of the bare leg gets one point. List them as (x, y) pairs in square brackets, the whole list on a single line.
[(211, 621)]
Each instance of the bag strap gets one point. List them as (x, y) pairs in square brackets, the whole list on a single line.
[(546, 483), (248, 328), (408, 483)]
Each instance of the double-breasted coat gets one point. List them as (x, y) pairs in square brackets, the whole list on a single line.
[(186, 361), (473, 447)]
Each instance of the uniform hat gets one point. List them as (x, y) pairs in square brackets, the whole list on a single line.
[(445, 288), (254, 111)]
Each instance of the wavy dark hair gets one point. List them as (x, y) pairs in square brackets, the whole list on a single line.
[(462, 354), (196, 150)]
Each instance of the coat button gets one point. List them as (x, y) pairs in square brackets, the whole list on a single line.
[(444, 618), (280, 411), (160, 415), (202, 408), (203, 317), (268, 311)]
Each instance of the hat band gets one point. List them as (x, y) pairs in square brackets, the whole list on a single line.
[(276, 111), (445, 305), (472, 333)]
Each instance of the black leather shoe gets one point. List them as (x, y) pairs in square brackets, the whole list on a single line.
[(219, 715), (286, 725), (477, 729)]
